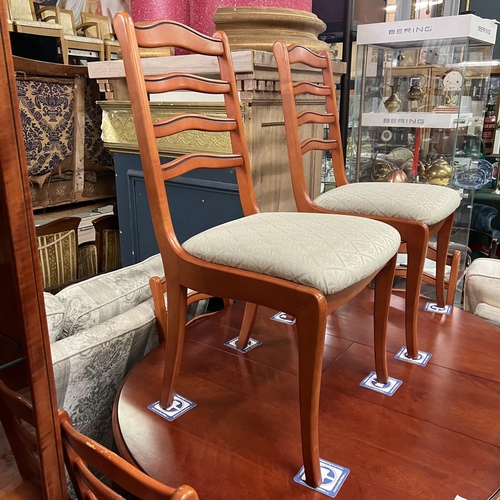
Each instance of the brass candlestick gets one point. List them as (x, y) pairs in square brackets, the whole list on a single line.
[(496, 190)]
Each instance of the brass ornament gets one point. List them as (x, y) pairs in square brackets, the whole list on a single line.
[(382, 168), (438, 173), (393, 102), (396, 176)]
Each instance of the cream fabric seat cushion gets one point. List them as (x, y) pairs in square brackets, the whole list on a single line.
[(84, 39), (409, 201), (38, 24), (323, 251)]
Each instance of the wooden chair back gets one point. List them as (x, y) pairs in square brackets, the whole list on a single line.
[(107, 240), (91, 6), (297, 145), (81, 452), (58, 251), (101, 28), (16, 414), (169, 33), (22, 9), (67, 20)]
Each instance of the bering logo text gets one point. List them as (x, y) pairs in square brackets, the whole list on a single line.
[(404, 121), (482, 29), (401, 31)]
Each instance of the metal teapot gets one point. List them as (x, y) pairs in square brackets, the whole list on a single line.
[(393, 102), (416, 93), (438, 173)]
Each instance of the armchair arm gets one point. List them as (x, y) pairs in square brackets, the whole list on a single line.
[(86, 26), (482, 284)]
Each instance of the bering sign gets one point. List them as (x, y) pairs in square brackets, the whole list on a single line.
[(404, 121), (417, 29)]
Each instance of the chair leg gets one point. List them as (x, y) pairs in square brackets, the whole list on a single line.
[(443, 242), (311, 338), (174, 345), (247, 324), (416, 247), (452, 282), (383, 288)]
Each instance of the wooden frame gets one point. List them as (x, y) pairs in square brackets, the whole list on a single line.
[(21, 299)]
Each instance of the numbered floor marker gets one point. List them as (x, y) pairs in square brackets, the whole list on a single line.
[(333, 476), (370, 382), (433, 308), (422, 358), (252, 344), (180, 406), (282, 317)]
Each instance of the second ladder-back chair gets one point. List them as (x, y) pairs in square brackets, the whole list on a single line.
[(417, 211), (304, 264)]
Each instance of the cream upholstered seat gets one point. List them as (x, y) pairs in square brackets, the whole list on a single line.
[(419, 202), (327, 252)]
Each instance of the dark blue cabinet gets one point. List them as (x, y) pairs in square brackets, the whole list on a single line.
[(199, 200)]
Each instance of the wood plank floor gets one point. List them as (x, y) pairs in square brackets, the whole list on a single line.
[(437, 437)]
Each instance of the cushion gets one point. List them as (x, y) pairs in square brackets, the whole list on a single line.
[(323, 251), (489, 313), (105, 296), (409, 201), (55, 312), (482, 284), (37, 24), (84, 39)]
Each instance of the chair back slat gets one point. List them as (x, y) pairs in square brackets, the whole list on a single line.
[(303, 87), (296, 143), (67, 20), (203, 123), (187, 163), (169, 33), (82, 452), (309, 116), (166, 33), (22, 9), (17, 413), (318, 145), (181, 81), (303, 55)]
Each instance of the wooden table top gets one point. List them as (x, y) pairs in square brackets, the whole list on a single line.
[(437, 437)]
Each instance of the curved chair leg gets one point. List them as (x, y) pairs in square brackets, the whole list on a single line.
[(443, 242), (383, 288), (247, 324), (416, 247), (452, 282), (174, 345), (311, 338)]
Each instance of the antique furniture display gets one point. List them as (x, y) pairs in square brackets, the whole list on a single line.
[(107, 241), (440, 68), (24, 19), (399, 205), (259, 258)]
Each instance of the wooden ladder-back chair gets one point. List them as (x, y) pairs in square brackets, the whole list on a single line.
[(81, 452), (102, 30), (18, 420), (304, 264), (417, 211)]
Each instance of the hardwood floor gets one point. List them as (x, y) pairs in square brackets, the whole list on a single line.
[(437, 437)]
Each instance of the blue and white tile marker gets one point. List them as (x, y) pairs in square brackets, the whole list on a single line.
[(422, 358), (180, 406), (433, 308), (370, 382), (252, 344), (283, 317), (333, 476)]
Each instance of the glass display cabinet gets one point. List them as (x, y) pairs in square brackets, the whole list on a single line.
[(419, 105)]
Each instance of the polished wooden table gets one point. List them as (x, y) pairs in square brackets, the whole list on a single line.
[(437, 437)]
